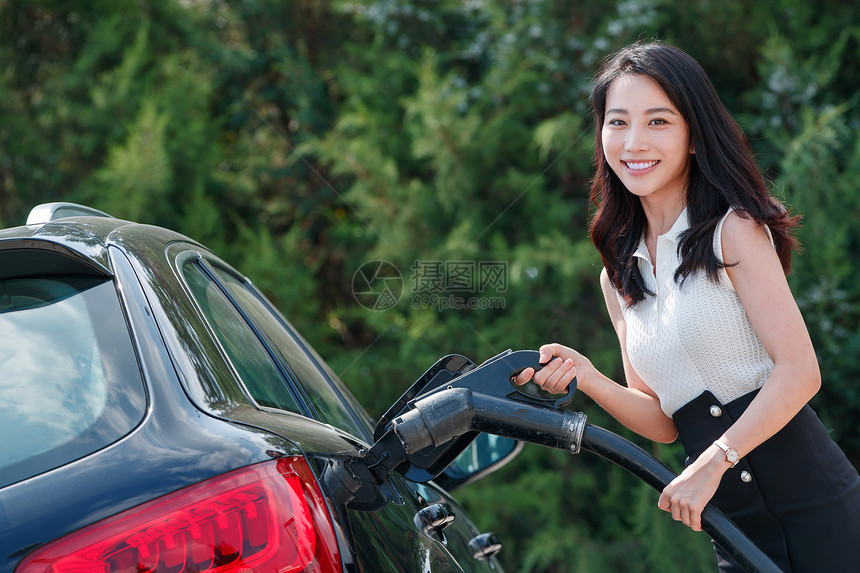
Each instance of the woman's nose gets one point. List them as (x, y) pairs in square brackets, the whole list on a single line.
[(636, 140)]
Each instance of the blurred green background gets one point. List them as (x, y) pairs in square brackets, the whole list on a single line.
[(302, 139)]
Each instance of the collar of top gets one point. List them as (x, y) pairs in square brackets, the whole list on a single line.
[(682, 223)]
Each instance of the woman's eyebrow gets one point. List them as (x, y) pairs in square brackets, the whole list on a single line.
[(660, 110), (650, 111)]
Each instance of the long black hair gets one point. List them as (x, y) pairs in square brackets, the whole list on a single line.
[(722, 174)]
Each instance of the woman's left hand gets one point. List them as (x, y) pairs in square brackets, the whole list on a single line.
[(687, 495)]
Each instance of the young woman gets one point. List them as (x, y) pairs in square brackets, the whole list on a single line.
[(714, 348)]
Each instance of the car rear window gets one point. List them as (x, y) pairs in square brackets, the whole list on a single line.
[(71, 384)]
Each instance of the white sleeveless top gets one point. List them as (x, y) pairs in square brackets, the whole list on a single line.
[(694, 336)]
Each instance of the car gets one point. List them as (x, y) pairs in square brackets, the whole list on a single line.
[(158, 414)]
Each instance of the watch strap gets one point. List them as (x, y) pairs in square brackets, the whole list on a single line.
[(731, 454)]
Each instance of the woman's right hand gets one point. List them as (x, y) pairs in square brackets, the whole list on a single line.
[(560, 367), (635, 405)]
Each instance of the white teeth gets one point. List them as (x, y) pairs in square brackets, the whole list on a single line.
[(638, 166)]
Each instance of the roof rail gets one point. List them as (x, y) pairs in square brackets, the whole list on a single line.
[(47, 212)]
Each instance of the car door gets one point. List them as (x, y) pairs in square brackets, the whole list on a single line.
[(421, 528)]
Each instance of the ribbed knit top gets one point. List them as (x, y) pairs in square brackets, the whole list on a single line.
[(693, 336)]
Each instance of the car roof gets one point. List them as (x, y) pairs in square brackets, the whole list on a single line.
[(74, 239)]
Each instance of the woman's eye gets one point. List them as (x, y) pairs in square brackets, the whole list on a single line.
[(658, 121), (615, 122)]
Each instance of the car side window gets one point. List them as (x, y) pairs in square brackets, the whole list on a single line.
[(329, 400), (252, 362)]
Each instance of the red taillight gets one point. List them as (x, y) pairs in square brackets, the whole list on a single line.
[(268, 518)]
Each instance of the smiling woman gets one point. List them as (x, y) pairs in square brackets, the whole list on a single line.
[(713, 345)]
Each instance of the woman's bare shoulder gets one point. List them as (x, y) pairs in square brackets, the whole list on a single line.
[(742, 236)]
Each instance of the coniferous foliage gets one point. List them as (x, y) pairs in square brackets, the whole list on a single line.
[(443, 147)]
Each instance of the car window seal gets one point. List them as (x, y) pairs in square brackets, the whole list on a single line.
[(284, 370), (347, 404)]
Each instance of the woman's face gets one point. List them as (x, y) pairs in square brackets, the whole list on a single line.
[(646, 141)]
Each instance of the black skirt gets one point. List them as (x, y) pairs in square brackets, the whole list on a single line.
[(796, 495)]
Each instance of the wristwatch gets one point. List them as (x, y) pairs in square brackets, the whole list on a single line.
[(731, 454)]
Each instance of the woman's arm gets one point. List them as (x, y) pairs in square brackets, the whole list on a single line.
[(763, 290), (636, 406)]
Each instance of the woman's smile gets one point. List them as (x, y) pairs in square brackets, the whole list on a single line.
[(640, 167)]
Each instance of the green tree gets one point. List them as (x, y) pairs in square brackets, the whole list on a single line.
[(304, 139)]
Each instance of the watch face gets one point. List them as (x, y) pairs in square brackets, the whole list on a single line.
[(731, 455)]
